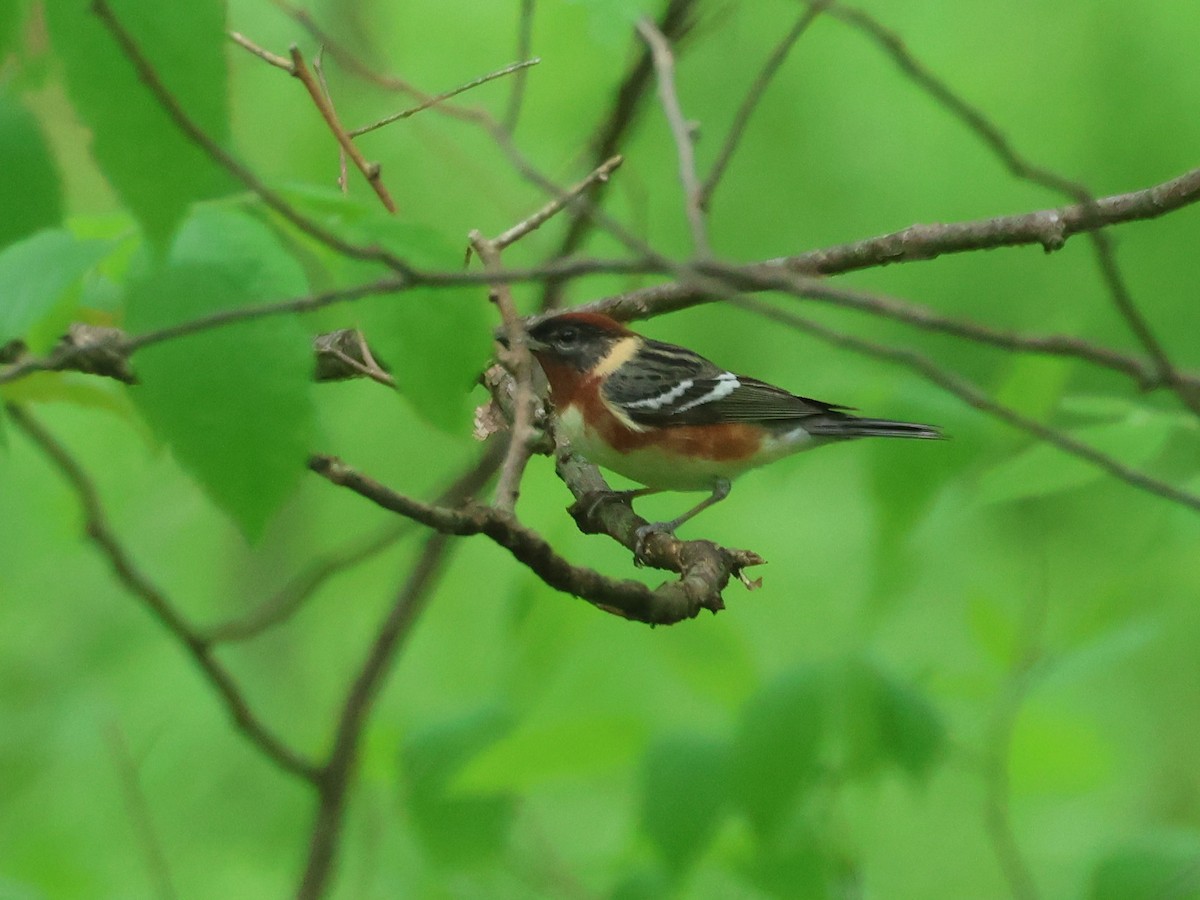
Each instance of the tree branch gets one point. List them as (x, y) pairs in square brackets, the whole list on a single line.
[(337, 772), (101, 534), (664, 65), (184, 122), (1020, 167), (705, 568), (750, 102), (974, 397), (675, 23), (1049, 228)]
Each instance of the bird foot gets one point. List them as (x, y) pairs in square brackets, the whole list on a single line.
[(587, 507), (644, 533)]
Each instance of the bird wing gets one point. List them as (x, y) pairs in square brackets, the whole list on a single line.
[(665, 385)]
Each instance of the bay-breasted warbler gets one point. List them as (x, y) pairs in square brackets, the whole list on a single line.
[(669, 419)]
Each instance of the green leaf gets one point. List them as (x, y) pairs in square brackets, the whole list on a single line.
[(12, 17), (1156, 866), (776, 747), (456, 829), (435, 341), (233, 403), (1044, 469), (39, 281), (534, 755), (70, 388), (685, 794), (802, 870), (908, 727), (993, 628), (243, 246), (1058, 751), (28, 178), (156, 169)]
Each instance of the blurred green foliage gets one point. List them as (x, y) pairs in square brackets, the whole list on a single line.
[(959, 649)]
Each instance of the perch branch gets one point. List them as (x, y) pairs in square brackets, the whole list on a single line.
[(707, 568)]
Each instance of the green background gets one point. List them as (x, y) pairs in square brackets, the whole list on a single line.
[(971, 669)]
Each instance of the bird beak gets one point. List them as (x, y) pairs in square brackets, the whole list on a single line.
[(501, 336)]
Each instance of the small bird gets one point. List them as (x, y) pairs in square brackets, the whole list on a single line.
[(669, 419)]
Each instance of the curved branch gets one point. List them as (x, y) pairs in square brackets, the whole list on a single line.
[(1049, 228), (135, 581), (974, 397), (705, 567)]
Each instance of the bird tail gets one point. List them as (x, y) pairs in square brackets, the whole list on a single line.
[(853, 426)]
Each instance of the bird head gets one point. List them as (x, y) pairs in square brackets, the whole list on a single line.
[(578, 341)]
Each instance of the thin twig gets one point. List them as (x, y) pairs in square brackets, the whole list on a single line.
[(974, 397), (343, 180), (1141, 370), (1022, 168), (1049, 228), (753, 96), (100, 533), (288, 600), (139, 812), (274, 59), (337, 773), (524, 47), (598, 176), (440, 98), (623, 111), (520, 363), (372, 171), (218, 154), (664, 64)]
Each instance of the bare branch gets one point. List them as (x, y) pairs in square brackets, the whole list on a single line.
[(1049, 228), (343, 179), (265, 55), (599, 175), (977, 399), (821, 290), (706, 567), (675, 23), (218, 154), (1020, 167), (750, 102), (139, 812), (520, 363), (337, 773), (100, 533), (524, 49), (664, 64), (288, 600), (371, 171), (440, 98)]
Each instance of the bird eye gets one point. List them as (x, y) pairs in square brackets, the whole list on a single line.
[(568, 336)]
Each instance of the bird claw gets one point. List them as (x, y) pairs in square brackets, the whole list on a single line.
[(643, 534)]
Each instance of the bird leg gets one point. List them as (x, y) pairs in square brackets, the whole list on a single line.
[(583, 509), (720, 491)]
